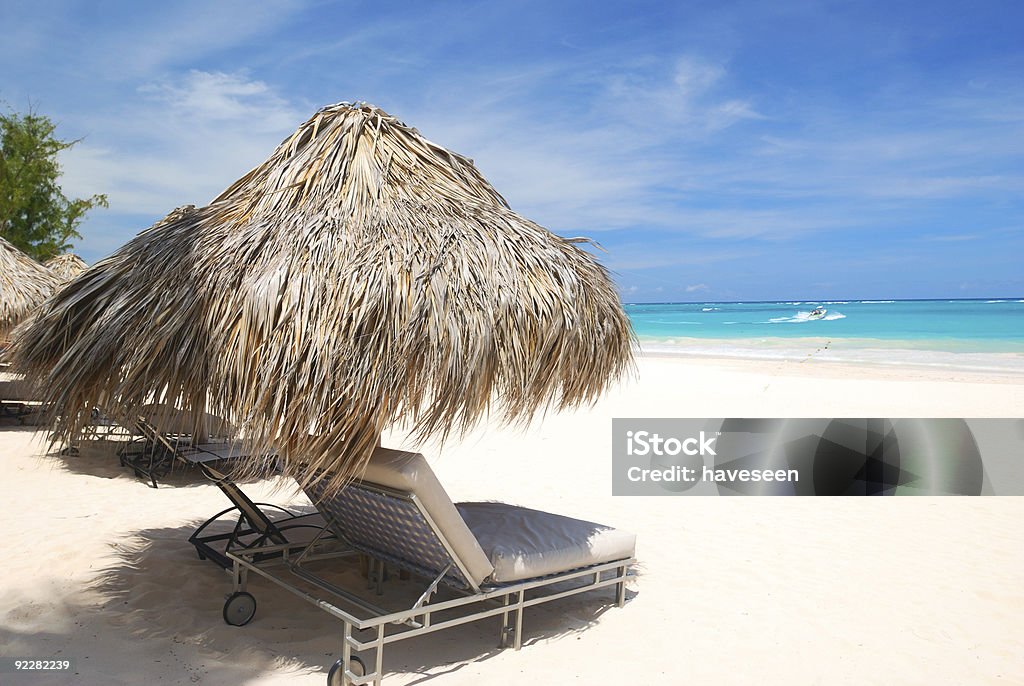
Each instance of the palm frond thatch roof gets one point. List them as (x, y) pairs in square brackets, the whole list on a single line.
[(66, 267), (24, 284), (359, 276)]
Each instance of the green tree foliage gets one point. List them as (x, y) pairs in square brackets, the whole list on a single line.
[(35, 215)]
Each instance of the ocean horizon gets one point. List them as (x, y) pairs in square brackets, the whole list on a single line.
[(983, 333)]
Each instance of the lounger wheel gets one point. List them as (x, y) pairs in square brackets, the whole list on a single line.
[(334, 676), (239, 608)]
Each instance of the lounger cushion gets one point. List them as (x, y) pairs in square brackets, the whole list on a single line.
[(171, 420), (16, 389), (522, 543), (404, 471)]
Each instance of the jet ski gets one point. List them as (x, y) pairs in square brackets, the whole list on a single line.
[(817, 313)]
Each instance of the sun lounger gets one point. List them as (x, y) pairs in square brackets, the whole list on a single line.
[(255, 526), (104, 429), (493, 560), (18, 402), (160, 450)]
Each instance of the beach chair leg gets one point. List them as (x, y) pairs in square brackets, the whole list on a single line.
[(151, 472), (239, 576), (620, 588), (512, 629), (364, 566), (370, 564), (518, 636), (505, 628), (376, 574), (378, 663), (346, 647), (348, 664)]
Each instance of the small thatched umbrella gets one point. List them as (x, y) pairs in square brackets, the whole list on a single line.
[(359, 276), (66, 267), (24, 284)]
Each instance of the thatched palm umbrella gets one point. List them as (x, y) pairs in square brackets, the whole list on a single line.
[(359, 276), (66, 267), (24, 284)]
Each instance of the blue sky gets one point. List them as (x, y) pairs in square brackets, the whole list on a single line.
[(716, 150)]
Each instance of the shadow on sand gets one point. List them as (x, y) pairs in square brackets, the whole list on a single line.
[(99, 458), (160, 600)]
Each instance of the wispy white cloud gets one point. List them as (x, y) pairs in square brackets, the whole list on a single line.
[(182, 141), (154, 37), (694, 148), (213, 97), (956, 238), (610, 164), (696, 76), (633, 257), (691, 95), (593, 172)]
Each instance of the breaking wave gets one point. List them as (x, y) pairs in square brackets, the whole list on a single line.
[(801, 317)]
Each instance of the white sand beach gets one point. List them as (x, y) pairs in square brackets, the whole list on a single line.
[(729, 590)]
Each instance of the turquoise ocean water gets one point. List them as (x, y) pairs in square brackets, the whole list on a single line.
[(993, 325)]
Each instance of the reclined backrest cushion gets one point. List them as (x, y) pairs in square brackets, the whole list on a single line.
[(409, 472), (16, 389)]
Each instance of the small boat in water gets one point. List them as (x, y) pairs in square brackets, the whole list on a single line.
[(817, 313)]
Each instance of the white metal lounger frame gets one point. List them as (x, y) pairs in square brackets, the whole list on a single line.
[(478, 601)]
